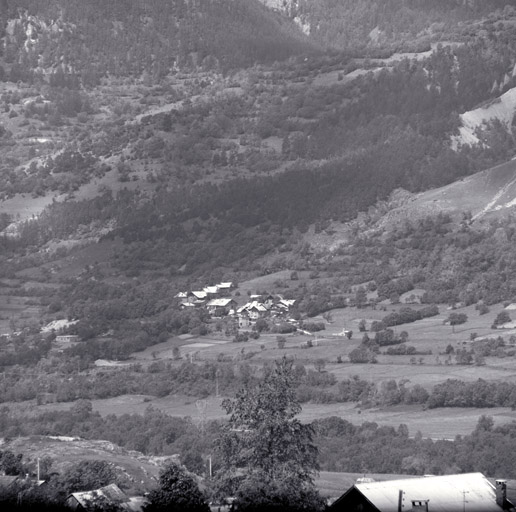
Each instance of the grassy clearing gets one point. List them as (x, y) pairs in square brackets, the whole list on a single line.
[(23, 207)]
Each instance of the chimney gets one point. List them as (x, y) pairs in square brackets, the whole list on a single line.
[(420, 505), (501, 493)]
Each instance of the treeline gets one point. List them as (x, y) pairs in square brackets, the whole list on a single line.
[(481, 393), (408, 315), (159, 380), (370, 448), (343, 447), (76, 379)]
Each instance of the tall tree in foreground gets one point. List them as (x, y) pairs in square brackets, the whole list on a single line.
[(177, 492), (267, 456)]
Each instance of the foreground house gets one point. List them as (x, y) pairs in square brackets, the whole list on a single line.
[(472, 492), (8, 482), (109, 497)]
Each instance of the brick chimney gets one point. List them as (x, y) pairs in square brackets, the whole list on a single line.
[(501, 493)]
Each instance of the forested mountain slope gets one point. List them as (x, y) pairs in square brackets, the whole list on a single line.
[(126, 38), (384, 24), (168, 174)]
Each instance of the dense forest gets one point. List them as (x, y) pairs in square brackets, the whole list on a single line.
[(386, 25), (155, 36)]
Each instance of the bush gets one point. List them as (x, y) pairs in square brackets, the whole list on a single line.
[(241, 337), (177, 491), (502, 318), (362, 355), (314, 326)]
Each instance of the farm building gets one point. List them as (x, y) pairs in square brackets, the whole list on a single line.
[(211, 291), (225, 287), (189, 305), (282, 307), (106, 497), (254, 310), (67, 338), (197, 296), (220, 307), (8, 482), (451, 493), (182, 296)]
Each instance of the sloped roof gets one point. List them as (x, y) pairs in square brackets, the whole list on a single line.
[(6, 481), (258, 306), (220, 302), (199, 294), (225, 285), (446, 493), (211, 289), (110, 494)]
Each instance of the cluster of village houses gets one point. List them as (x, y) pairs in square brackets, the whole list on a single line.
[(218, 302)]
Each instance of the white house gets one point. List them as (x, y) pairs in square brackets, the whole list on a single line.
[(220, 307)]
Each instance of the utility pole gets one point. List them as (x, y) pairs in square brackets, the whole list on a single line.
[(38, 472), (464, 500)]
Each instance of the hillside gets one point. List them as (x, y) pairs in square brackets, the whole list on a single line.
[(143, 37), (137, 473), (117, 193), (380, 25), (488, 193)]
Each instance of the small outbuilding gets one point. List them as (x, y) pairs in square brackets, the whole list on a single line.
[(451, 493), (67, 338)]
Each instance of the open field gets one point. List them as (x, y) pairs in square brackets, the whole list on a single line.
[(429, 334), (23, 207)]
